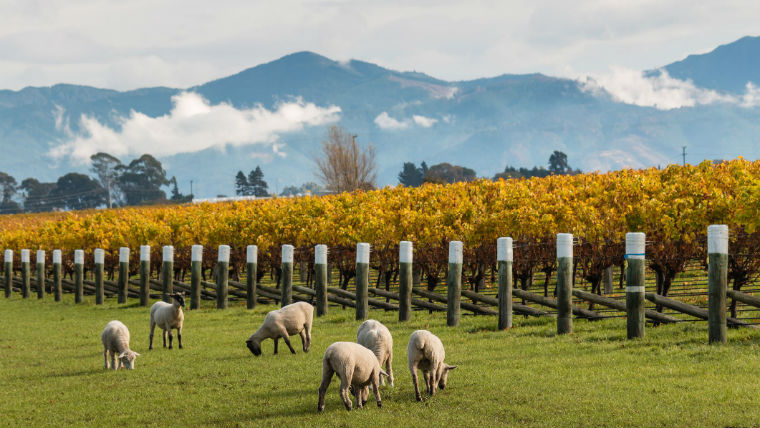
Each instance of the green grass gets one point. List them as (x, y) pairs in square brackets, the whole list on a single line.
[(51, 373)]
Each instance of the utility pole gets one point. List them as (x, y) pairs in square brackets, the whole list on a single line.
[(684, 155)]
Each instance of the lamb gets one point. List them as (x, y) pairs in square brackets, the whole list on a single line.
[(295, 318), (115, 338), (357, 367), (374, 335), (168, 316), (425, 351)]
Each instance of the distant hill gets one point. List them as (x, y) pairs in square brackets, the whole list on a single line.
[(483, 124)]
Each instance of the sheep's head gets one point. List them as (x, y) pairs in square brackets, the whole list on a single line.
[(179, 298), (254, 346), (127, 358), (444, 374)]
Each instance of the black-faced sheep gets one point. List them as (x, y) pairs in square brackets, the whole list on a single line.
[(168, 316)]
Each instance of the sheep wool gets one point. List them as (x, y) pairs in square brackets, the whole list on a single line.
[(372, 334), (357, 367), (425, 351), (115, 338), (287, 321), (168, 316)]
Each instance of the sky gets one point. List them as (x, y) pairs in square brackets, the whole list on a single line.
[(128, 44)]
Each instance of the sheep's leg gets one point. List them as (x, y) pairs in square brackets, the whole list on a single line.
[(303, 340), (413, 369), (389, 369), (286, 339), (179, 337), (164, 336), (105, 359), (307, 327), (345, 382), (327, 374), (428, 378), (375, 388), (276, 341), (152, 328), (171, 336), (113, 361), (434, 378)]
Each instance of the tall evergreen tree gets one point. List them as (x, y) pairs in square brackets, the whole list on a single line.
[(257, 184), (411, 175), (242, 188)]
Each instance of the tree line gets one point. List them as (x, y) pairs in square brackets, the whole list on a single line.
[(112, 184)]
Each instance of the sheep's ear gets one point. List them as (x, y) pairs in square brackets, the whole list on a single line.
[(123, 354), (448, 367), (136, 354)]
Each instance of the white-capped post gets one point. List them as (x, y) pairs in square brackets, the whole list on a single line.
[(320, 278), (99, 258), (123, 280), (405, 268), (144, 274), (362, 280), (717, 282), (57, 278), (40, 274), (78, 276), (286, 276), (564, 283), (454, 283), (196, 266), (635, 245), (504, 258), (167, 273), (251, 278), (222, 276), (8, 273), (25, 274)]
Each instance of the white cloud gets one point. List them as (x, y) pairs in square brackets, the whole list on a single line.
[(193, 125), (385, 121), (425, 122), (660, 90)]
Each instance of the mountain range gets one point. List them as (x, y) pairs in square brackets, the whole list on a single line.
[(484, 124)]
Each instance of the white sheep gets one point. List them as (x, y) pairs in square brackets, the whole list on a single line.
[(425, 351), (374, 335), (289, 320), (356, 367), (168, 316), (115, 338)]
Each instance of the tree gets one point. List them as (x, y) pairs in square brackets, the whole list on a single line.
[(242, 188), (258, 187), (309, 188), (106, 168), (448, 173), (141, 181), (8, 187), (75, 191), (558, 163), (36, 195), (411, 175), (343, 166), (178, 197)]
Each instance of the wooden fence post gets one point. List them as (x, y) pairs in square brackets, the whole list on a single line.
[(57, 285), (144, 274), (635, 244), (251, 267), (607, 280), (25, 274), (99, 257), (454, 283), (40, 274), (362, 280), (405, 268), (196, 264), (564, 283), (222, 276), (717, 281), (286, 277), (8, 273), (320, 278), (123, 281), (167, 273), (504, 257), (78, 276)]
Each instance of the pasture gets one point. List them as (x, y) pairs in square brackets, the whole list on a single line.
[(51, 373)]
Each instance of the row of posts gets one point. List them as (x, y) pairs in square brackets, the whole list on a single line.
[(717, 239)]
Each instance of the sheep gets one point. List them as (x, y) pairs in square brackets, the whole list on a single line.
[(115, 338), (374, 335), (168, 316), (295, 318), (357, 368), (425, 351)]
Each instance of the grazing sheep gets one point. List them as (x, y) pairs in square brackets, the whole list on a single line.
[(374, 335), (295, 318), (115, 338), (425, 351), (168, 316), (356, 367)]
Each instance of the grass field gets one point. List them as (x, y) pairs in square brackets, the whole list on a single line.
[(51, 370)]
